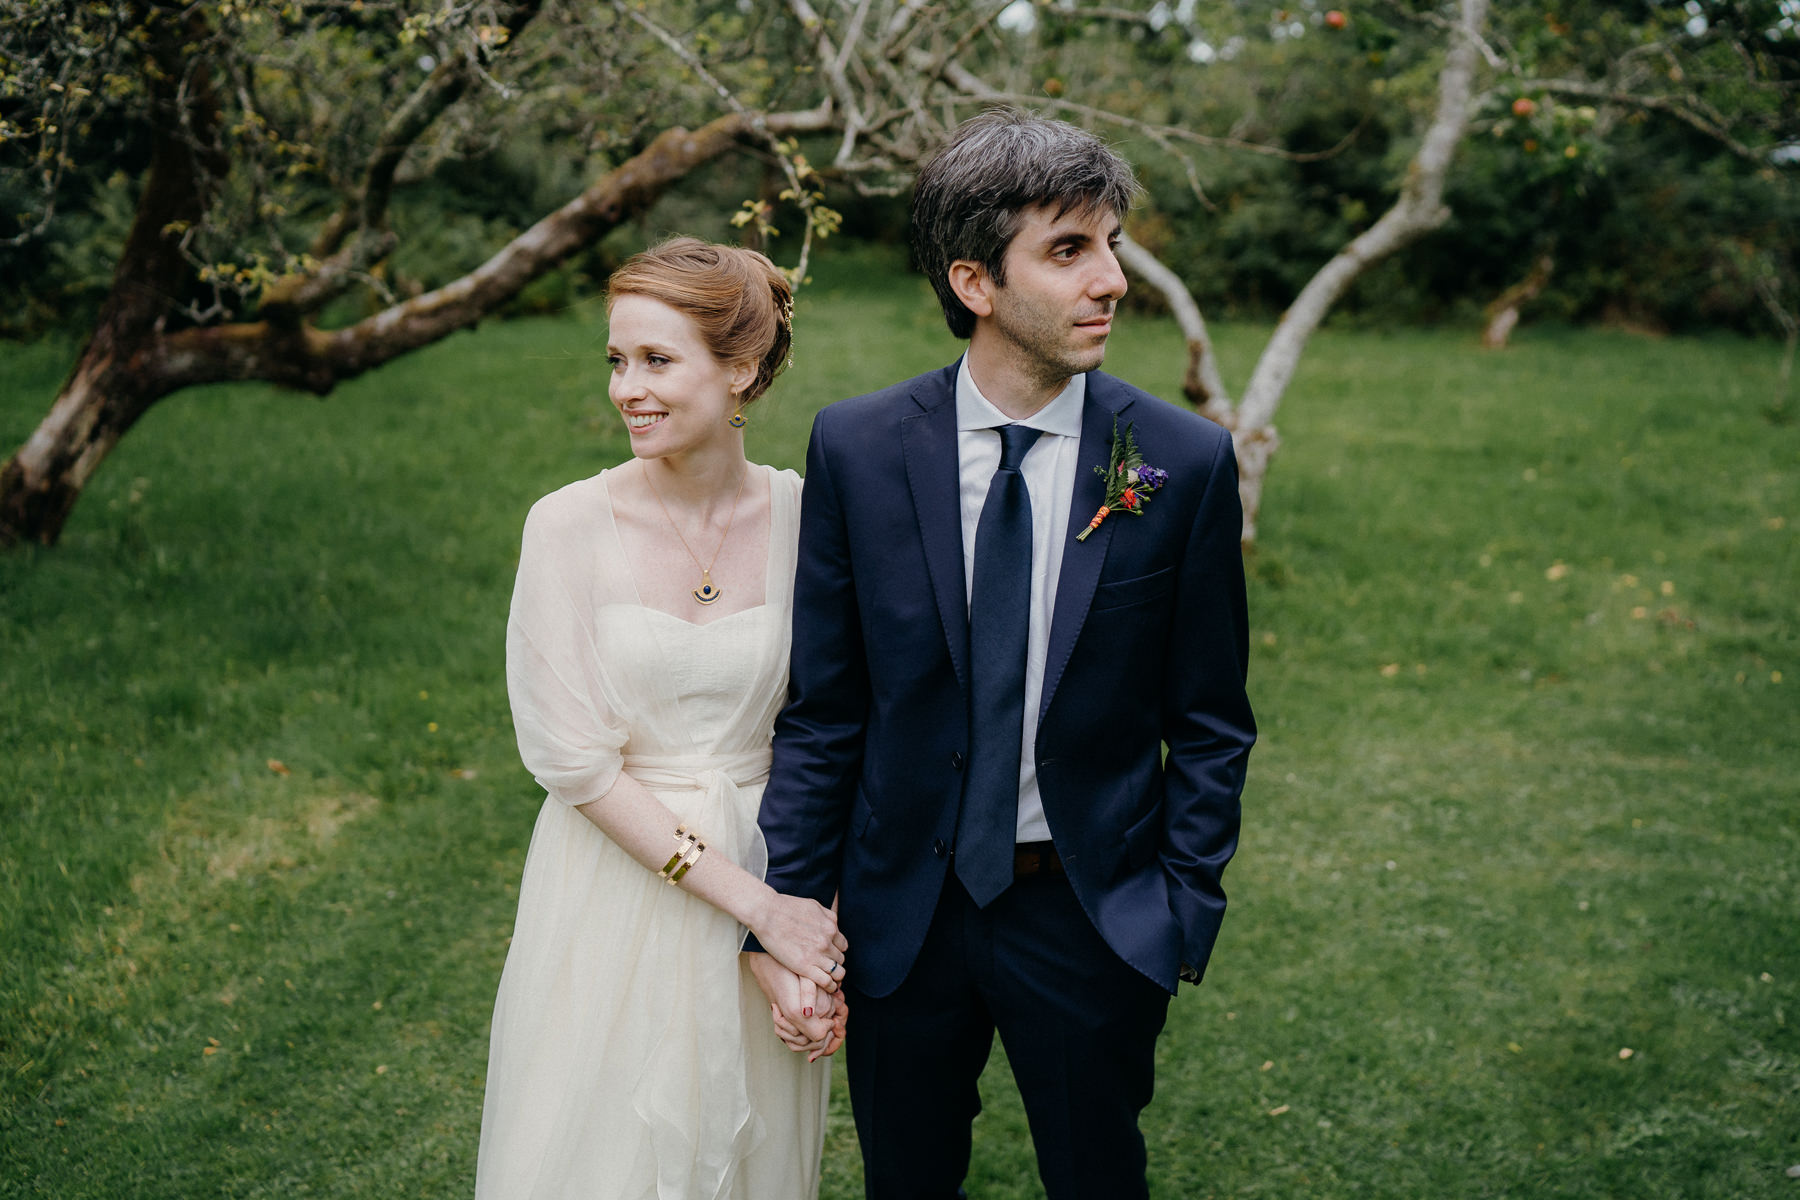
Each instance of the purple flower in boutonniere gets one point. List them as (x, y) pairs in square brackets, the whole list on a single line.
[(1129, 482)]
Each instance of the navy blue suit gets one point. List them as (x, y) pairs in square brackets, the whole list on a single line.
[(1148, 647)]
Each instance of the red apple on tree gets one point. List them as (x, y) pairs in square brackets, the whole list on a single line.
[(1336, 19), (1524, 106)]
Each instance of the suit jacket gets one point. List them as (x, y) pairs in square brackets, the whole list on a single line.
[(1148, 647)]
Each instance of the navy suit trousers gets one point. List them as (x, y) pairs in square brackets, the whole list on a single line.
[(1079, 1027)]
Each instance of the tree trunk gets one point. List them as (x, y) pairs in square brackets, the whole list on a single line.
[(1202, 384), (1418, 210), (1503, 313), (128, 366), (40, 484), (110, 387)]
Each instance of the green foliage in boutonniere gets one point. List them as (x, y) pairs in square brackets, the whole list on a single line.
[(1128, 481)]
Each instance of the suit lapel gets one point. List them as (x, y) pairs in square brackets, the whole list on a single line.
[(928, 441), (1081, 561)]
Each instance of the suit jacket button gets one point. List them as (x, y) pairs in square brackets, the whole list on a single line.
[(938, 848), (956, 760)]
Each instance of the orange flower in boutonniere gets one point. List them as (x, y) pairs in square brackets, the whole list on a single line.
[(1129, 482)]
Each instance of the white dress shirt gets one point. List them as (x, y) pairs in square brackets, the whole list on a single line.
[(1049, 471)]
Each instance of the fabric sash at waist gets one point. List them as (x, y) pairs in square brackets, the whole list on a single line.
[(674, 771)]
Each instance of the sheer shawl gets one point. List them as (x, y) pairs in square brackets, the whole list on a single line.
[(619, 1043)]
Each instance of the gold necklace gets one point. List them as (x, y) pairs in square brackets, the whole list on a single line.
[(706, 593)]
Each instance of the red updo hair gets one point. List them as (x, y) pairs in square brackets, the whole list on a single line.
[(739, 300)]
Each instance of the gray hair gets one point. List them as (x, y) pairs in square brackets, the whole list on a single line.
[(972, 195)]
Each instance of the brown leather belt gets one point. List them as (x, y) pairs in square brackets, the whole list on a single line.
[(1036, 858)]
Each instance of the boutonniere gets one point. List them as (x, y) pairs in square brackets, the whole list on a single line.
[(1128, 481)]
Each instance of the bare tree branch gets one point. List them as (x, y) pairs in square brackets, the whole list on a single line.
[(973, 87), (1712, 126), (363, 218), (1418, 210), (317, 361), (122, 373), (1203, 385)]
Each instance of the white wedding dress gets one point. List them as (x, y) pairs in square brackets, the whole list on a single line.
[(632, 1057)]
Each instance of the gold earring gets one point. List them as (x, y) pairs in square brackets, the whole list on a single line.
[(736, 420)]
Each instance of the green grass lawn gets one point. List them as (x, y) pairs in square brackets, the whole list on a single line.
[(1515, 913)]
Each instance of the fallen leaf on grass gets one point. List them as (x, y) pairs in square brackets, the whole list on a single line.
[(1555, 571), (279, 767), (1626, 1052), (1389, 670), (1278, 1110)]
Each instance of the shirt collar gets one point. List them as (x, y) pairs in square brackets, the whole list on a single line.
[(1062, 416)]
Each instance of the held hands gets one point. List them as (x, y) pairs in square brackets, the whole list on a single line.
[(803, 936), (809, 1021), (801, 972), (797, 1039)]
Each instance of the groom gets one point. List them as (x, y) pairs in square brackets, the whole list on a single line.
[(972, 754)]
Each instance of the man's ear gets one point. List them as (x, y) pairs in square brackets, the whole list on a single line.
[(973, 286)]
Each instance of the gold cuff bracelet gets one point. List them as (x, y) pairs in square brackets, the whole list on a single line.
[(688, 850)]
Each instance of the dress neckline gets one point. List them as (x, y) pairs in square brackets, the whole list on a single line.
[(663, 612), (771, 557)]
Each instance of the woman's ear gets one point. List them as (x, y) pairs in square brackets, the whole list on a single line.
[(742, 376), (973, 286)]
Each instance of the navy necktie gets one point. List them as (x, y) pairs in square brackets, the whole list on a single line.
[(999, 619)]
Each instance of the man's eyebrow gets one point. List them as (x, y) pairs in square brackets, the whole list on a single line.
[(1079, 237), (1067, 237)]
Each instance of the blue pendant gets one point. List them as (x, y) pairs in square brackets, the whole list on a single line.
[(706, 593), (736, 420)]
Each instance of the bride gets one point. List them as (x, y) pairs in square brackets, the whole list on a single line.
[(646, 658)]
